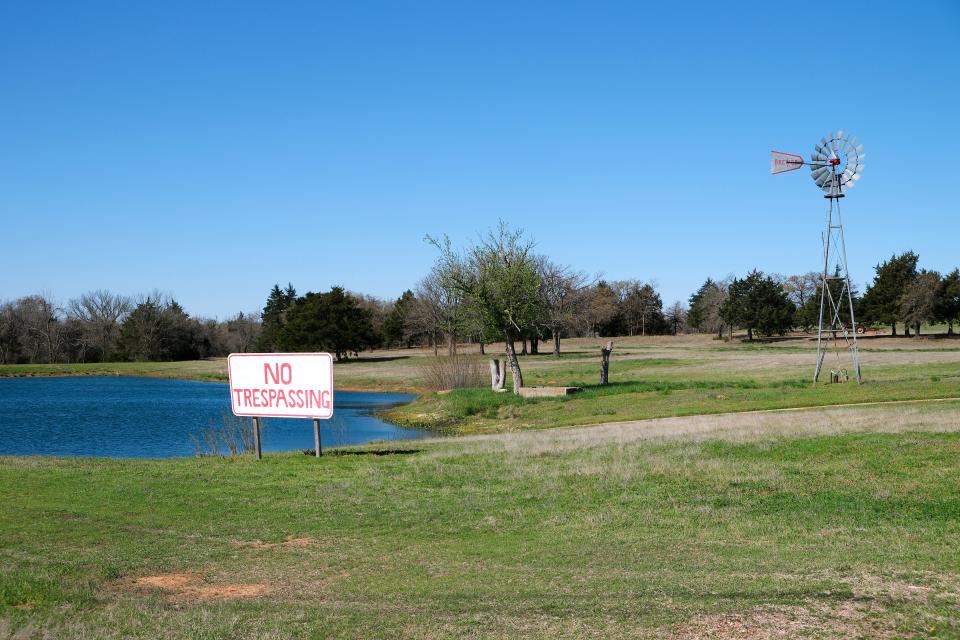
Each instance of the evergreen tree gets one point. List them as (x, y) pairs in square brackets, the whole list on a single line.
[(180, 334), (143, 333), (705, 305), (641, 310), (758, 303), (396, 326), (948, 300), (881, 302), (274, 316), (696, 311), (156, 331), (333, 321)]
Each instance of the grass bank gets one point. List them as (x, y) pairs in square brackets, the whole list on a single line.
[(543, 534), (638, 393)]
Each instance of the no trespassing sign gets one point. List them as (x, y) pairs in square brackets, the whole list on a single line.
[(281, 385)]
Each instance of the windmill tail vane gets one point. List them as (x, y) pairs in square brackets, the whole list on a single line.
[(835, 167)]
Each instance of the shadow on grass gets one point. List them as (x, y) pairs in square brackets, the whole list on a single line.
[(912, 336), (361, 359), (774, 339)]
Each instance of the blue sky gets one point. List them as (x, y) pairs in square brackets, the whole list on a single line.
[(213, 149)]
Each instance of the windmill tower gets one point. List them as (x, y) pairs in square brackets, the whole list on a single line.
[(835, 167)]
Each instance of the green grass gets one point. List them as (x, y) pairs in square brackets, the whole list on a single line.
[(637, 396), (466, 539)]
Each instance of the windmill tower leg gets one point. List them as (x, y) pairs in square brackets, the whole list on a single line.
[(852, 338), (831, 323), (824, 293)]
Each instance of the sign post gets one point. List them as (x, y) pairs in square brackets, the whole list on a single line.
[(281, 385), (256, 438)]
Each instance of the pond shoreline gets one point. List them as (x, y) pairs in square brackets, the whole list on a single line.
[(133, 416)]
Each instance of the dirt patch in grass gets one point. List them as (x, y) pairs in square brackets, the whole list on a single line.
[(167, 581), (184, 586)]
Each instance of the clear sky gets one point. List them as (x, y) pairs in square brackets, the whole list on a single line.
[(211, 149)]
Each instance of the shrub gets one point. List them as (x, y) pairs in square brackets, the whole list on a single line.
[(453, 372), (236, 434)]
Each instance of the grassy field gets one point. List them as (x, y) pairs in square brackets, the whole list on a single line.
[(676, 518), (841, 523)]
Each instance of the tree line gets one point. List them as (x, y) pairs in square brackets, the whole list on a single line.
[(498, 289), (101, 326), (901, 294)]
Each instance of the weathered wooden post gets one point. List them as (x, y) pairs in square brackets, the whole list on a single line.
[(256, 438), (498, 375), (605, 362), (316, 437)]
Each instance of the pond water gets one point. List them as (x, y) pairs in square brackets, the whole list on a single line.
[(155, 418)]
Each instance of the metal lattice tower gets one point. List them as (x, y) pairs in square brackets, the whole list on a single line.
[(835, 167)]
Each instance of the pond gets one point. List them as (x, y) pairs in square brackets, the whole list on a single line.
[(157, 418)]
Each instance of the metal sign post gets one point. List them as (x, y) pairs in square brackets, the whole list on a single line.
[(281, 385)]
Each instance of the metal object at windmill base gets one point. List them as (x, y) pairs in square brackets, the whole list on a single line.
[(835, 167)]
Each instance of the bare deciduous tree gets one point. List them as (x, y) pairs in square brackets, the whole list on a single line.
[(10, 333), (559, 291), (42, 331), (437, 309), (800, 288), (243, 330), (99, 314), (596, 306), (676, 317)]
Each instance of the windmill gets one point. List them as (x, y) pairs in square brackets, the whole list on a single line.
[(835, 166)]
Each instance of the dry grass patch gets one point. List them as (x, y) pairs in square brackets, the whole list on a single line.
[(185, 587), (813, 620), (870, 613), (929, 416), (289, 543)]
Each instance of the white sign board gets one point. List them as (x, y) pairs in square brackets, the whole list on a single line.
[(781, 162), (281, 385)]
